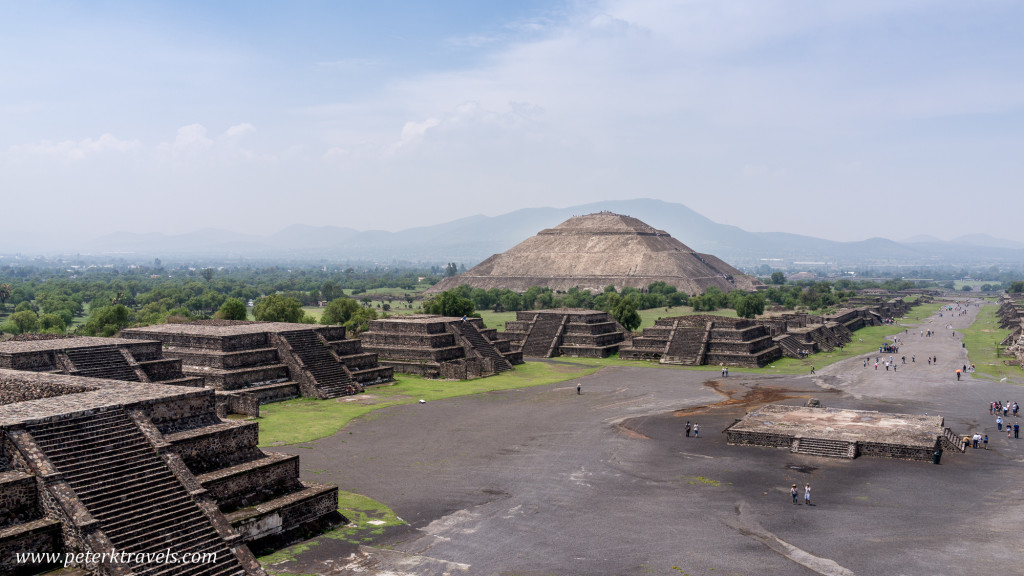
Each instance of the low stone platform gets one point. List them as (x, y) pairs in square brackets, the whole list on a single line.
[(92, 357), (268, 361), (565, 332), (440, 346), (840, 433), (704, 339)]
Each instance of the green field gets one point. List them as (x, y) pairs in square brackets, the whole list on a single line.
[(982, 339)]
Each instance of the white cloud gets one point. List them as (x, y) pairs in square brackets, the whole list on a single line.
[(240, 130), (191, 139), (75, 151)]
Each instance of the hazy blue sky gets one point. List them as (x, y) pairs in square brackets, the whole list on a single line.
[(843, 120)]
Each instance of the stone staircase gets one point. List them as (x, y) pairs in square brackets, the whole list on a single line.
[(823, 447), (331, 377), (952, 441), (101, 362), (481, 345), (127, 487), (790, 345), (540, 340), (686, 346)]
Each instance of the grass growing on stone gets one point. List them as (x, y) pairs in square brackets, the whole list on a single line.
[(982, 339), (305, 420), (367, 519)]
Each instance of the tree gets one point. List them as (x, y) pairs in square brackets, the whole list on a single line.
[(107, 321), (1016, 287), (448, 303), (778, 278), (232, 309), (5, 293), (52, 323), (22, 322), (625, 312), (208, 273), (750, 305), (339, 311), (967, 288), (278, 308), (360, 320), (451, 270)]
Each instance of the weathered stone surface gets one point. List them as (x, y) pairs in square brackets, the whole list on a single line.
[(839, 433), (597, 250)]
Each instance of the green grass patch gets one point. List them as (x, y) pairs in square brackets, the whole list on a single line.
[(982, 340), (305, 420)]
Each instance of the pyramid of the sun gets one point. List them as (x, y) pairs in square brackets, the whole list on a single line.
[(593, 251)]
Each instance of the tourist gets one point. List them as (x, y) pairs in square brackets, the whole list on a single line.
[(687, 428), (913, 359), (975, 439), (812, 369), (999, 422), (793, 491), (1016, 429), (807, 494), (985, 441), (696, 430), (957, 373), (579, 387)]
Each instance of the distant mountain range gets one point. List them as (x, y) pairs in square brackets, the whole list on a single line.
[(472, 239)]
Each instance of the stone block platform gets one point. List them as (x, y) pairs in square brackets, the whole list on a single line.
[(267, 361), (113, 358), (565, 332), (97, 465), (839, 433), (703, 339), (439, 346)]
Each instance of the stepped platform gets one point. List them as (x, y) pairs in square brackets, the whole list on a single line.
[(565, 332), (439, 346), (251, 360), (92, 357), (705, 340), (836, 433), (138, 467)]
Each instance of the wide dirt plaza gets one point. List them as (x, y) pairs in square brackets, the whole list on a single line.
[(541, 481)]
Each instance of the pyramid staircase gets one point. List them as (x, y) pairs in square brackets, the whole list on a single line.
[(481, 345), (823, 447), (101, 362), (687, 345), (331, 377), (139, 504), (541, 339)]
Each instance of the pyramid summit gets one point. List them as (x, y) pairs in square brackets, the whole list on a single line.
[(597, 250)]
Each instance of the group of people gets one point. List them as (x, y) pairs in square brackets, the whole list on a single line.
[(807, 494), (695, 429), (1000, 410)]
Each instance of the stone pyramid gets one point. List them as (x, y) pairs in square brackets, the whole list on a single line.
[(593, 251)]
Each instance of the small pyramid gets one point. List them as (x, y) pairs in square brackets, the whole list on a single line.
[(593, 251)]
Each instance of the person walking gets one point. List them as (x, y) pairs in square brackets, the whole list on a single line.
[(688, 428), (985, 441), (579, 388), (793, 491), (957, 373), (696, 430), (999, 423), (807, 494), (1016, 429), (812, 369)]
